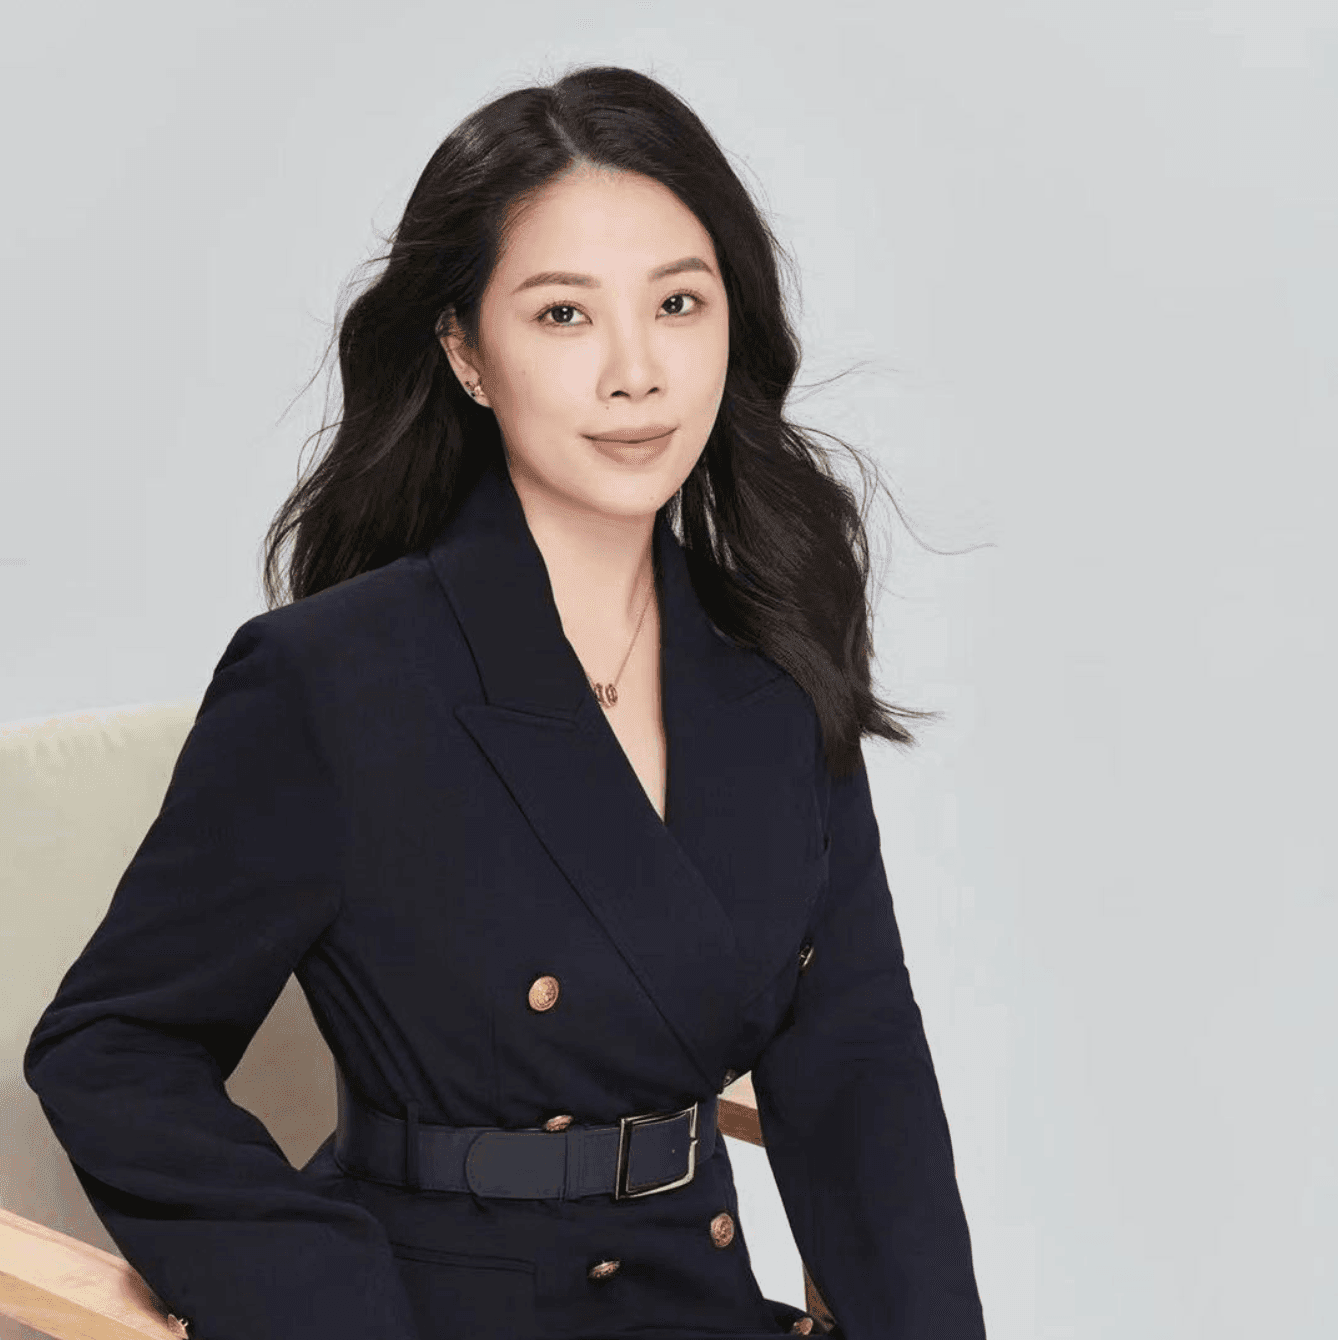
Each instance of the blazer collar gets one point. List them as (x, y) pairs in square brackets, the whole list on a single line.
[(496, 578), (726, 882)]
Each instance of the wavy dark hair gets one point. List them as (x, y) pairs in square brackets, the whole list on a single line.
[(776, 544)]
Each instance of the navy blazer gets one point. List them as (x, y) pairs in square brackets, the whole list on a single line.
[(403, 790)]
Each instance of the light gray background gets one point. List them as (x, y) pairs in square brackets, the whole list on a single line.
[(1086, 255)]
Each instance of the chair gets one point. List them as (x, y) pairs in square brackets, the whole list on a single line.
[(77, 794)]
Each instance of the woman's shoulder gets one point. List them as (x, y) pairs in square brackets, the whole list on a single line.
[(372, 613)]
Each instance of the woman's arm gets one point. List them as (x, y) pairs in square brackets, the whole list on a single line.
[(237, 877), (849, 1105)]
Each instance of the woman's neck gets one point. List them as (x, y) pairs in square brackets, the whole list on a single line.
[(600, 567)]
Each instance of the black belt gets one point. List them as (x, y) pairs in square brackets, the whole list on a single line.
[(641, 1155)]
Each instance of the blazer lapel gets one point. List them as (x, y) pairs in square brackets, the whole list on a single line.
[(708, 885)]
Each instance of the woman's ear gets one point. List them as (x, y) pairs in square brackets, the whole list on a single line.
[(459, 354)]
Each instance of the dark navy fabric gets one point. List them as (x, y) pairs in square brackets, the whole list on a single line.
[(403, 791)]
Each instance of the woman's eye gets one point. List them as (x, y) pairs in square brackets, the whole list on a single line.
[(679, 298), (562, 314)]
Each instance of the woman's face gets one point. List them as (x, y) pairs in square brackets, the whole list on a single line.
[(605, 315)]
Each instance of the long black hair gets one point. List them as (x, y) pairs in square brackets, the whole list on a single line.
[(775, 542)]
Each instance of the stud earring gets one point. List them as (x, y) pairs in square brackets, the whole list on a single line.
[(474, 388)]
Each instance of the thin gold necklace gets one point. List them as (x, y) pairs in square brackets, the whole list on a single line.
[(607, 694)]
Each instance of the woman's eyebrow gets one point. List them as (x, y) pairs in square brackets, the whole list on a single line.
[(589, 281)]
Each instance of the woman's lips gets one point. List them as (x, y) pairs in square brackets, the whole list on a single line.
[(633, 437)]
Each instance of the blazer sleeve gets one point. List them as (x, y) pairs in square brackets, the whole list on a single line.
[(851, 1113), (238, 875)]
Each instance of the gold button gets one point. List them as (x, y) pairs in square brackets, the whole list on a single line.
[(805, 955), (722, 1229), (543, 993), (730, 1077), (601, 1270), (802, 1326), (558, 1123)]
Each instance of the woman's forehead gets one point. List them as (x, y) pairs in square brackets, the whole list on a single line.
[(599, 221)]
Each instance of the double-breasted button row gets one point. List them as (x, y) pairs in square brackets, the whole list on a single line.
[(543, 992), (722, 1234), (543, 995), (805, 954)]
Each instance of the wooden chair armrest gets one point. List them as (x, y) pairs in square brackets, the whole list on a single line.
[(72, 1290), (737, 1112)]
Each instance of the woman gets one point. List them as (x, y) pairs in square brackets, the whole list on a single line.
[(560, 820)]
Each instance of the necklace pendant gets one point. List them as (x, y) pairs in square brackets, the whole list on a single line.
[(607, 694)]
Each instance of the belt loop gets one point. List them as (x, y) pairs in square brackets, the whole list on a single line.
[(411, 1145)]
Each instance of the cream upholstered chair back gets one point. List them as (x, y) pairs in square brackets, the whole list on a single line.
[(77, 795)]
